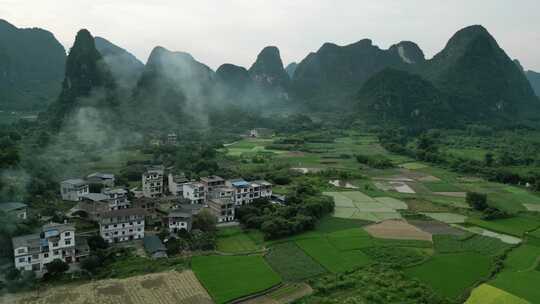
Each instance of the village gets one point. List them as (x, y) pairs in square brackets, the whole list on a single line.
[(166, 202)]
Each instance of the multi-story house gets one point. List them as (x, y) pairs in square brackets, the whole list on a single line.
[(211, 182), (172, 139), (152, 181), (246, 192), (122, 225), (178, 219), (55, 241), (74, 189), (117, 198), (175, 184), (15, 210), (264, 187), (194, 192), (105, 179), (222, 192), (222, 209)]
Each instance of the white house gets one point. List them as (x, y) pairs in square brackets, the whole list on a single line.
[(122, 225), (55, 241), (245, 192), (152, 181), (74, 189), (117, 198), (194, 192), (175, 184), (177, 220)]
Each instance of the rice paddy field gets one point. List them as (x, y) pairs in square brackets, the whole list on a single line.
[(231, 277), (450, 275), (234, 240)]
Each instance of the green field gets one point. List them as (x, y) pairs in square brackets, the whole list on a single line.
[(487, 294), (357, 205), (442, 187), (332, 258), (234, 240), (230, 277), (449, 218), (450, 275), (516, 226), (473, 243), (292, 263), (520, 275)]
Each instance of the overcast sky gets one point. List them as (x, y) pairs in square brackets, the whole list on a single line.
[(234, 31)]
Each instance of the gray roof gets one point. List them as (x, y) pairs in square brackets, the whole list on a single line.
[(212, 178), (180, 213), (115, 191), (263, 182), (11, 206), (95, 197), (124, 212), (75, 182), (101, 175), (29, 240), (153, 244), (60, 227)]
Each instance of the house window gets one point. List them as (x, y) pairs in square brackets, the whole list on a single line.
[(68, 242), (45, 255), (21, 260), (55, 252), (68, 233), (55, 244), (21, 250)]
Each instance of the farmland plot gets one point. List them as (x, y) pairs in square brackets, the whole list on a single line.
[(394, 229), (487, 294), (231, 277), (160, 288)]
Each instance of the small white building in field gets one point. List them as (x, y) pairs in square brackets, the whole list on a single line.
[(74, 189)]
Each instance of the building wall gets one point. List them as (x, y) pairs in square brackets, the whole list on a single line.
[(72, 193), (152, 184), (63, 249), (132, 229)]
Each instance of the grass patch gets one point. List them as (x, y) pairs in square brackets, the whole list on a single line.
[(396, 256), (487, 294), (234, 240), (450, 275), (330, 257), (230, 277), (292, 263), (442, 187)]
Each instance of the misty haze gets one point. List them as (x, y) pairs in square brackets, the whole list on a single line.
[(269, 152)]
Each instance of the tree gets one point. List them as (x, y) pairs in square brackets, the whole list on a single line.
[(205, 221), (91, 263), (96, 242), (489, 159), (477, 201), (56, 267)]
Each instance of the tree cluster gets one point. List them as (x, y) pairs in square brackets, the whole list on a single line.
[(305, 206)]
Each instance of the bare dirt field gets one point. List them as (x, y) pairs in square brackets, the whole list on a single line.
[(399, 230), (161, 288)]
